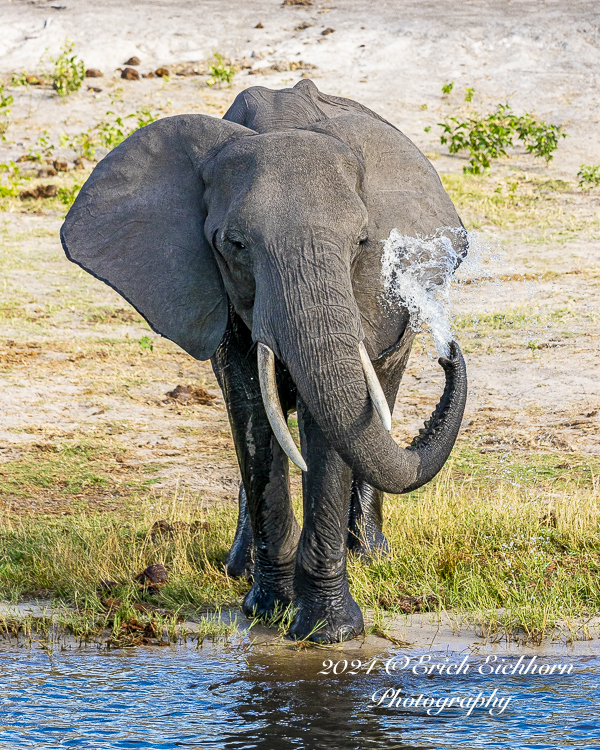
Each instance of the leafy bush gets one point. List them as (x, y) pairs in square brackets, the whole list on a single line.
[(11, 179), (69, 71), (109, 132), (219, 72), (589, 176), (6, 101), (447, 87), (488, 136), (68, 195), (19, 79)]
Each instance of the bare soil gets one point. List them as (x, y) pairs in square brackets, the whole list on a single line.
[(85, 420)]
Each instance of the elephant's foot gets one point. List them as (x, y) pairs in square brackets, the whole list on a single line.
[(327, 620), (368, 543), (267, 603)]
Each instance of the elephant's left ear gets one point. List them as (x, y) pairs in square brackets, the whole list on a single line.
[(400, 187), (138, 225)]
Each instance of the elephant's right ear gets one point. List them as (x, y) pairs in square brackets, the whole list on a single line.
[(138, 225)]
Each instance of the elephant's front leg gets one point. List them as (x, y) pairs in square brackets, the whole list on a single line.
[(326, 611), (265, 476)]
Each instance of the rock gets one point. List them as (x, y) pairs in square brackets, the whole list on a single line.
[(296, 2), (160, 529), (27, 157), (148, 75), (259, 26), (79, 163), (303, 26), (132, 61), (107, 586), (94, 73), (41, 191), (130, 74), (47, 172), (156, 573), (187, 394), (95, 89), (199, 527), (327, 31), (35, 81), (162, 72), (60, 165), (410, 604)]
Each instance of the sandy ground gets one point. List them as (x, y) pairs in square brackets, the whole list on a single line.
[(72, 368)]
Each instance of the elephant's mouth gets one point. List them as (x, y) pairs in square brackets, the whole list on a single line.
[(268, 387)]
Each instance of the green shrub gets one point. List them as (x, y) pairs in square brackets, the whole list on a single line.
[(6, 101), (68, 195), (447, 87), (69, 71), (11, 179), (19, 79), (589, 176), (109, 132), (219, 72), (487, 137)]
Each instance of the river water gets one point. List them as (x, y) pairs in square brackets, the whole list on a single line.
[(274, 699)]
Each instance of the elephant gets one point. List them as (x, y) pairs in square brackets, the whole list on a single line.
[(255, 241)]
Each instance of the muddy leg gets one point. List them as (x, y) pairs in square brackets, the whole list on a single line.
[(326, 612), (264, 469)]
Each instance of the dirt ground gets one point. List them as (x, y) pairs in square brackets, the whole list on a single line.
[(84, 413)]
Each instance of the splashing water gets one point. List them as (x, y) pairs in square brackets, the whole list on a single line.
[(418, 273)]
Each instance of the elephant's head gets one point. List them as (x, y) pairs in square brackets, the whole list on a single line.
[(190, 211)]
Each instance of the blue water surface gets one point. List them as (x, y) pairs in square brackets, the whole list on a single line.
[(273, 700)]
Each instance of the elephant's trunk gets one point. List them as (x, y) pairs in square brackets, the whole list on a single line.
[(317, 336)]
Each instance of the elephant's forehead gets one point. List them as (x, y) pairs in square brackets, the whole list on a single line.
[(292, 155)]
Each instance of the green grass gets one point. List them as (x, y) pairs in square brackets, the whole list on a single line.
[(518, 533), (546, 209)]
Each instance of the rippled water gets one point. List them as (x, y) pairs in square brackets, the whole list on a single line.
[(178, 697)]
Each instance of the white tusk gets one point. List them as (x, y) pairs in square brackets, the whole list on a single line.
[(270, 397), (375, 389)]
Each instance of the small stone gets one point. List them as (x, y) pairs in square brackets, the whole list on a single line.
[(156, 574), (148, 75), (47, 172), (259, 26), (162, 72), (107, 586), (94, 89), (41, 191), (199, 527), (60, 165), (130, 74), (160, 528), (34, 80), (132, 61), (79, 163), (94, 73), (327, 31), (296, 2)]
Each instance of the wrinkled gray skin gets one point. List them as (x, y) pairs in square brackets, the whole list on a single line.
[(266, 226)]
